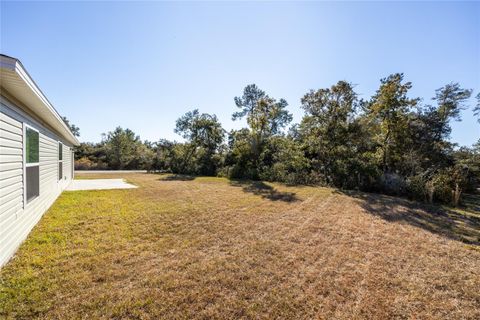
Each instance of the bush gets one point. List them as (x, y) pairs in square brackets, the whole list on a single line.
[(393, 183), (85, 163), (445, 186), (442, 190), (284, 160)]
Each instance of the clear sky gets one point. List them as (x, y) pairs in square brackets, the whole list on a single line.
[(142, 65)]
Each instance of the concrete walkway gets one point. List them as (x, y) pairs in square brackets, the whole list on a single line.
[(99, 184)]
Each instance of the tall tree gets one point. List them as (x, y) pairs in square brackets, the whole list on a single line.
[(265, 116), (476, 110), (248, 101), (388, 110), (204, 135), (434, 130), (121, 146), (451, 100), (432, 126), (327, 130), (163, 155)]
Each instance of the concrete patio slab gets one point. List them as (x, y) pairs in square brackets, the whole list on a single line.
[(99, 184)]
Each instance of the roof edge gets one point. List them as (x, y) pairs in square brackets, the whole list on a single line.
[(15, 65)]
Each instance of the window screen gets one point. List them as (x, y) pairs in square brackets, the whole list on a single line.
[(33, 185), (60, 170), (32, 169)]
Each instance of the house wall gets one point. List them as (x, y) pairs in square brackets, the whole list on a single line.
[(17, 217)]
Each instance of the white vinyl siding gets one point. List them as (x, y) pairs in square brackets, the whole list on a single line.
[(16, 217), (67, 158), (11, 172)]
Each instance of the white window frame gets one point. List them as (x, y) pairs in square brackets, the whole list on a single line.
[(60, 161), (72, 162), (33, 164)]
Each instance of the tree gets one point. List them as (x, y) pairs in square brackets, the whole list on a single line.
[(451, 100), (93, 156), (143, 157), (284, 160), (433, 166), (204, 135), (388, 110), (251, 96), (469, 160), (265, 116), (433, 130), (476, 110), (163, 160), (73, 128), (330, 134), (388, 143), (121, 147), (240, 159)]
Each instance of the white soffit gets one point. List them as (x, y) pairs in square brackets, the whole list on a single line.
[(16, 80)]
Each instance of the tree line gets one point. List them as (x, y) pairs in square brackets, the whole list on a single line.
[(389, 143)]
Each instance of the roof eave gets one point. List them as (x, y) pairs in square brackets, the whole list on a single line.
[(14, 65)]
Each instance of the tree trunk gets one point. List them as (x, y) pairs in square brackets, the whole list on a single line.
[(385, 151), (187, 159), (456, 195), (430, 191)]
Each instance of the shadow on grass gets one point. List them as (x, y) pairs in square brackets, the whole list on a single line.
[(456, 224), (472, 202), (262, 189), (177, 177)]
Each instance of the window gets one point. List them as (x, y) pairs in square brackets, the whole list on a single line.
[(72, 165), (32, 165), (60, 161)]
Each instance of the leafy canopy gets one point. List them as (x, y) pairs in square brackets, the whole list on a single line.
[(265, 115), (201, 130)]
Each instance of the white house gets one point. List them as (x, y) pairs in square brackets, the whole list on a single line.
[(36, 155)]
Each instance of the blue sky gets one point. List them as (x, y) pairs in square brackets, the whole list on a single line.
[(142, 65)]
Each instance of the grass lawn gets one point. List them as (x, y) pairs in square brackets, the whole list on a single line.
[(182, 248)]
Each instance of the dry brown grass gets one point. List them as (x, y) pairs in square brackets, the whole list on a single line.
[(206, 248)]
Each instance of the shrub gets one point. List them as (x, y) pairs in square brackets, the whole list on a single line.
[(417, 188), (393, 183), (445, 186), (84, 164)]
